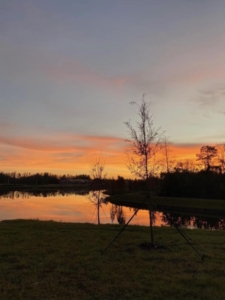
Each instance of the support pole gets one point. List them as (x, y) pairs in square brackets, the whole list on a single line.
[(184, 236), (103, 251)]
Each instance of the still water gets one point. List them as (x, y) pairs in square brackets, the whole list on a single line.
[(80, 207)]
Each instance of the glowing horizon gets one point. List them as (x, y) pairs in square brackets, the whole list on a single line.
[(29, 155)]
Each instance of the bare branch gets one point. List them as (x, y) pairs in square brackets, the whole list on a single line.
[(144, 143)]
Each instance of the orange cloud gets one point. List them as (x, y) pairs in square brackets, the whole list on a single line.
[(75, 154), (185, 151), (65, 143), (59, 153)]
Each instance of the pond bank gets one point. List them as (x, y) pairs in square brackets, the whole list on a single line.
[(187, 205)]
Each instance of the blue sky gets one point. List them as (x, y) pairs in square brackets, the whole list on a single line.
[(69, 69)]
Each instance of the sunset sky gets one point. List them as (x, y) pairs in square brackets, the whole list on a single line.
[(69, 69)]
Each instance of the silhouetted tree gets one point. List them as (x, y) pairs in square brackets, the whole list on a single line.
[(221, 156), (167, 149), (206, 156), (83, 176), (120, 182), (143, 145)]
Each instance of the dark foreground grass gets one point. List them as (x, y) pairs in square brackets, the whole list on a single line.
[(49, 260)]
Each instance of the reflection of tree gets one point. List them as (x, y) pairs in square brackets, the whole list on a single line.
[(195, 221), (97, 198), (40, 193), (153, 216), (98, 176), (176, 218), (222, 224), (113, 211), (209, 223), (117, 211), (14, 194)]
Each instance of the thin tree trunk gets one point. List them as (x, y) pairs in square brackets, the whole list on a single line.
[(150, 219), (151, 227), (98, 207), (166, 154)]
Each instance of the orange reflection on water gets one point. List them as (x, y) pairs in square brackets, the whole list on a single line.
[(68, 208), (72, 208)]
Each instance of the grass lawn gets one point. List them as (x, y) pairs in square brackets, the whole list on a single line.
[(50, 260)]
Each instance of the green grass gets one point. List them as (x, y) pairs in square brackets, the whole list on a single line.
[(168, 203), (50, 260)]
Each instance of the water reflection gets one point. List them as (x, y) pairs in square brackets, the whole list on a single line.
[(97, 198), (76, 206), (191, 221), (41, 193), (118, 212)]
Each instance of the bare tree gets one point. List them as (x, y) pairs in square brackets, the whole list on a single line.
[(98, 169), (167, 150), (145, 141)]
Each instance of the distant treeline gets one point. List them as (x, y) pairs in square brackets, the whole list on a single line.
[(38, 178), (208, 182), (186, 184), (180, 182), (205, 179)]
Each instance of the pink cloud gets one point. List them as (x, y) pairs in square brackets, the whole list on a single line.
[(71, 70), (63, 142), (74, 71), (197, 76)]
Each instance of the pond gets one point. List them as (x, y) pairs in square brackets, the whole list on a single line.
[(81, 207)]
